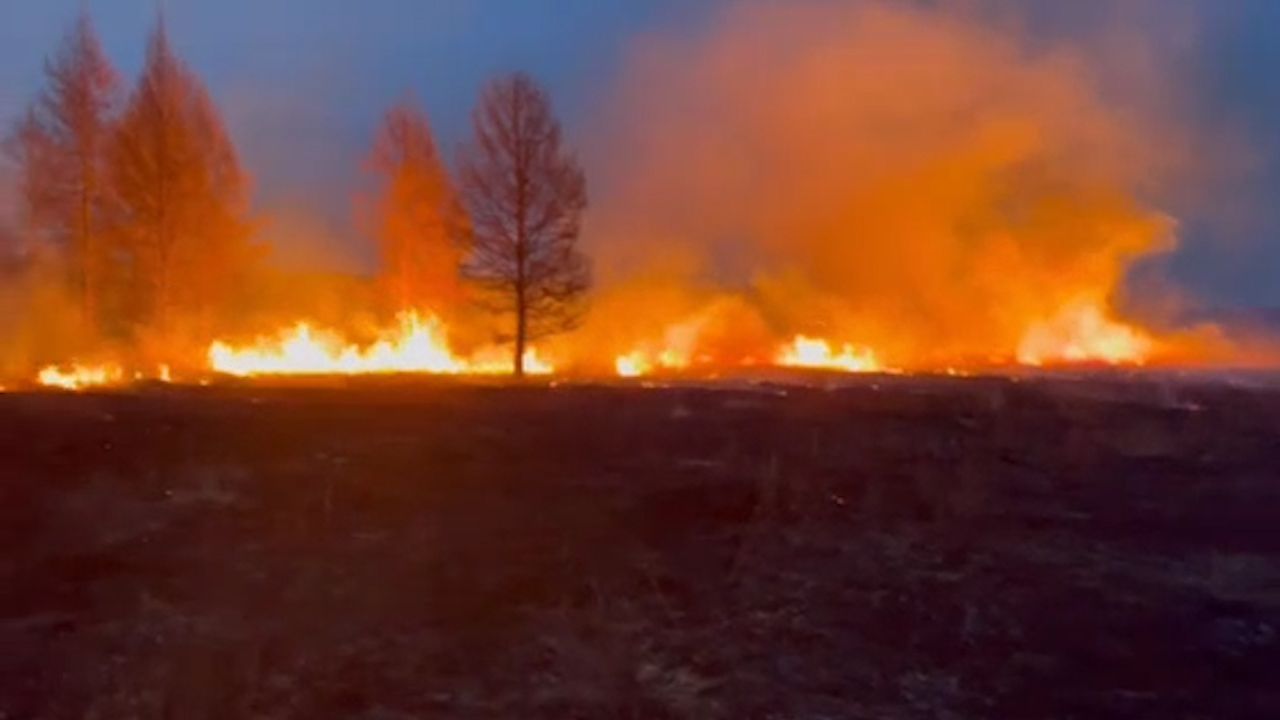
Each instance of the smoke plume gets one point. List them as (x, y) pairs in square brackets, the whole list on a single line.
[(883, 173)]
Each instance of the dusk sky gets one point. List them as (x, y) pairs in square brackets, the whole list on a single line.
[(302, 85)]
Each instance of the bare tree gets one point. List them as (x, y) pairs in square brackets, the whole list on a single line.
[(179, 191), (419, 223), (525, 195), (59, 148)]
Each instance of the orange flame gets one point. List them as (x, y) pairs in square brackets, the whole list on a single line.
[(810, 352), (633, 364), (416, 344), (78, 377), (642, 362), (1082, 333)]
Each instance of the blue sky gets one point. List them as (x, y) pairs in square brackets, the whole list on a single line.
[(303, 83)]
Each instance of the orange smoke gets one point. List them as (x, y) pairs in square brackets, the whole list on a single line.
[(935, 190)]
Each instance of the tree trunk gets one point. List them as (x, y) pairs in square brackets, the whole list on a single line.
[(518, 364), (88, 288)]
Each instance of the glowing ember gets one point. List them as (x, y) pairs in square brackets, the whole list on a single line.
[(78, 377), (817, 353), (1083, 333), (415, 345)]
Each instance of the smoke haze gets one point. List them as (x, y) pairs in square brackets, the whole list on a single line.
[(883, 173)]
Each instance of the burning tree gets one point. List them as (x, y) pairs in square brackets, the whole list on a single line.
[(59, 148), (419, 222), (180, 194), (525, 194)]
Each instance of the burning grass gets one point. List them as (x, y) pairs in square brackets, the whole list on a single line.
[(417, 343)]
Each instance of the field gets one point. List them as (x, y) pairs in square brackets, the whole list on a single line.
[(886, 548)]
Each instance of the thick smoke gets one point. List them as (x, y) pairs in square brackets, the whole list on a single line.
[(881, 173)]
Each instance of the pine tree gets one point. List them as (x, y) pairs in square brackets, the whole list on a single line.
[(59, 148), (180, 195), (418, 221)]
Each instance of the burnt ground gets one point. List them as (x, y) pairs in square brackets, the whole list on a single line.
[(901, 548)]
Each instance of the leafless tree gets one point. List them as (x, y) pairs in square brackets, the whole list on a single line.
[(59, 149), (525, 194)]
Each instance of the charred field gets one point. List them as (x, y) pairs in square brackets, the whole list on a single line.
[(891, 547)]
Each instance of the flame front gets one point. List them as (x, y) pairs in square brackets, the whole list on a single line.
[(801, 352), (1083, 333), (416, 344), (633, 364), (79, 377), (536, 365), (810, 352), (639, 362)]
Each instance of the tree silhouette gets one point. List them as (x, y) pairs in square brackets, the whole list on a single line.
[(180, 194), (525, 195), (59, 148), (419, 223)]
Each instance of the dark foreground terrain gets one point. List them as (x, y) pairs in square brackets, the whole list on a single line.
[(902, 548)]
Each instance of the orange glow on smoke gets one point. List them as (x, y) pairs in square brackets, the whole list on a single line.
[(938, 215), (416, 344), (810, 352), (1082, 333)]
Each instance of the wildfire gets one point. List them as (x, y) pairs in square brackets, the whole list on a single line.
[(640, 362), (810, 352), (79, 377), (416, 344), (632, 364), (801, 352), (535, 365), (1083, 333)]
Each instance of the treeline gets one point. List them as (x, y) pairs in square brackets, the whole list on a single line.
[(141, 198), (140, 194)]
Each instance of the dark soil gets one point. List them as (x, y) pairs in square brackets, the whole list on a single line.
[(897, 548)]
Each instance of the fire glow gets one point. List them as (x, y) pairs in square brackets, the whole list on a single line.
[(416, 344), (639, 363), (1082, 333), (79, 377), (807, 352)]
